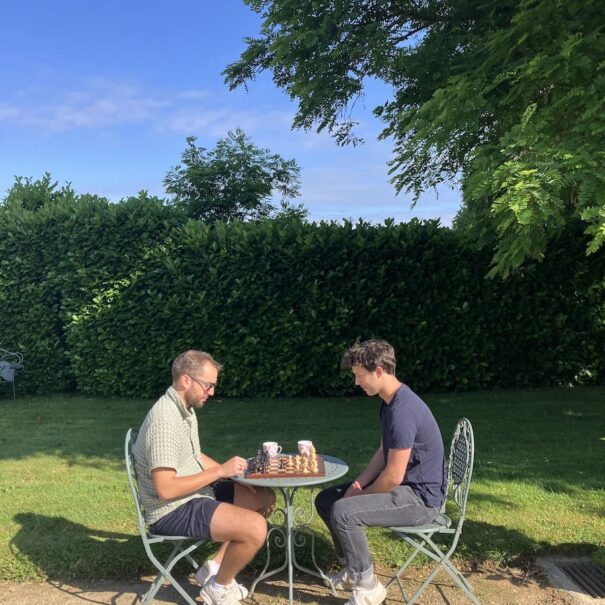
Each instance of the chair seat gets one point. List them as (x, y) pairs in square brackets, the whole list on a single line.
[(164, 538), (441, 523)]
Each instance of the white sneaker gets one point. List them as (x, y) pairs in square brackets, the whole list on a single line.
[(240, 591), (233, 592), (215, 596), (368, 596), (340, 580)]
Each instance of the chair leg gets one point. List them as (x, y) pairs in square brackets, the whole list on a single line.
[(403, 568), (193, 562), (151, 593), (165, 573), (462, 582), (183, 592), (397, 576), (157, 583), (442, 560)]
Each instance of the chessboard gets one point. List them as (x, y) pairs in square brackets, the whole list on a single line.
[(284, 466)]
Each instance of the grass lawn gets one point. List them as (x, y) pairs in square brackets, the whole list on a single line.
[(66, 510)]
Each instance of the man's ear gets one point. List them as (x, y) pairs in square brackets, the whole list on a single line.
[(183, 382), (379, 371)]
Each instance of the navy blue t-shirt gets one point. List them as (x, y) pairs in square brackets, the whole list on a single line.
[(407, 422)]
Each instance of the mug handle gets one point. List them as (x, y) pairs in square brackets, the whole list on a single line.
[(278, 450)]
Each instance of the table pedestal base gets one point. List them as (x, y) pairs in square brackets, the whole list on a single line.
[(288, 535)]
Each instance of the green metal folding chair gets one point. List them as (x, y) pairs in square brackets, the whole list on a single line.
[(182, 545), (460, 472)]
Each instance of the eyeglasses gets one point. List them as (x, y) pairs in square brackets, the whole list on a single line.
[(207, 386)]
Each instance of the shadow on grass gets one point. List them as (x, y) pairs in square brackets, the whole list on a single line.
[(68, 553), (485, 543), (60, 549)]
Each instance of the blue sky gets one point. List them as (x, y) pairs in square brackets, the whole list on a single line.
[(102, 94)]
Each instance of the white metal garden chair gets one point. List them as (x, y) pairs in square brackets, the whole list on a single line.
[(10, 363), (460, 472), (183, 546)]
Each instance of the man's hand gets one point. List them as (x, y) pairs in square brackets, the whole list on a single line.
[(354, 489), (393, 473), (234, 466)]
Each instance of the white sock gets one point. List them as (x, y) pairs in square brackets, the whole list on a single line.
[(216, 585), (212, 566), (368, 583)]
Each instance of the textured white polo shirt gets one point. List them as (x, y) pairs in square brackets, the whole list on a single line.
[(167, 438)]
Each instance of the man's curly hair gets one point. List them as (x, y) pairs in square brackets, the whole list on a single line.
[(369, 355)]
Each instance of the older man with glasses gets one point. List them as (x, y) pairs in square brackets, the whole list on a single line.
[(184, 492)]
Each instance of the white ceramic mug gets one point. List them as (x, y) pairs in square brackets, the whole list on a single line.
[(305, 447), (271, 448)]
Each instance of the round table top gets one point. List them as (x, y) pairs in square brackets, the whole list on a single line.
[(335, 468)]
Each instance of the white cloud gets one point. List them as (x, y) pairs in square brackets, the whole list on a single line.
[(98, 103), (193, 95), (9, 112), (355, 189), (215, 122)]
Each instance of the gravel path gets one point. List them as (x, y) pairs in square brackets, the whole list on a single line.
[(493, 587)]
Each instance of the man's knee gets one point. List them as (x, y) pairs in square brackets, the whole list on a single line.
[(341, 515), (252, 527), (257, 530), (324, 501), (268, 498), (231, 522)]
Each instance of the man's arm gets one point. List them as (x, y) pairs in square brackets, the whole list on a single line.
[(206, 461), (168, 486), (393, 473), (369, 473)]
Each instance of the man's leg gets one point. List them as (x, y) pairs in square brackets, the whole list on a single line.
[(349, 517), (261, 500), (324, 502), (244, 530)]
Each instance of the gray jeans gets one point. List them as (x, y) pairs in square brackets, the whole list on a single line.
[(346, 518)]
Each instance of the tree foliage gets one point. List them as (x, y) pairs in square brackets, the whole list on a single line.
[(507, 97), (58, 251), (29, 194), (233, 181)]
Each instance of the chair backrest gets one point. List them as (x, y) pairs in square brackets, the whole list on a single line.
[(460, 466), (10, 362), (131, 471), (7, 372)]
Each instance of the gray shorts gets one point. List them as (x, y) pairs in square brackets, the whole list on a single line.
[(192, 519)]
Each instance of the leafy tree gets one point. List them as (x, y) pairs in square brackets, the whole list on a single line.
[(234, 181), (29, 194), (505, 96)]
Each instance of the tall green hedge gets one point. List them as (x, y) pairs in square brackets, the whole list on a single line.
[(54, 261), (101, 297)]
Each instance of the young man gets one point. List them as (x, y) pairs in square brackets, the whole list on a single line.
[(402, 484), (183, 490)]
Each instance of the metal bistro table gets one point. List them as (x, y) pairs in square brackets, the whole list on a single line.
[(293, 519)]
